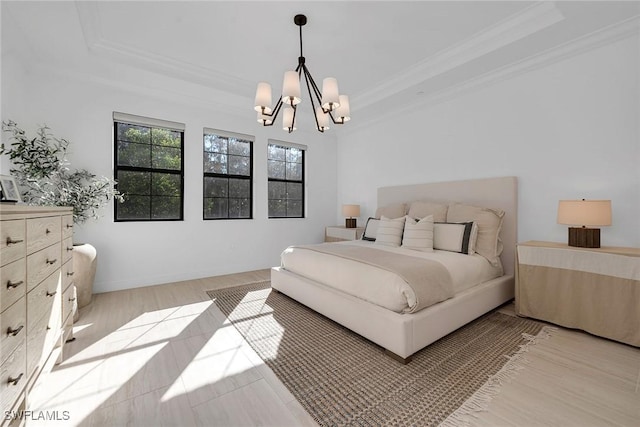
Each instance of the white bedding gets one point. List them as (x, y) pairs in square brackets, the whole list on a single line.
[(379, 286)]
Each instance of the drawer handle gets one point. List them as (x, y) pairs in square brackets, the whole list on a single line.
[(50, 294), (51, 261), (11, 285), (70, 273), (69, 248), (10, 241), (72, 299), (15, 381), (14, 332), (69, 226), (47, 231)]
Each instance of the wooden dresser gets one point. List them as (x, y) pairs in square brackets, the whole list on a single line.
[(36, 296)]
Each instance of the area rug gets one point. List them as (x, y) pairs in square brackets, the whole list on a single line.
[(341, 378)]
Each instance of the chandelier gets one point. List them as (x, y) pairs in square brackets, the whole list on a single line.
[(331, 105)]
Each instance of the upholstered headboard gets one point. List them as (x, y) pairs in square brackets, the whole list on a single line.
[(500, 193)]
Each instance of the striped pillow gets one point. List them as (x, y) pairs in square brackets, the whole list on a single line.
[(418, 235), (455, 236), (390, 231)]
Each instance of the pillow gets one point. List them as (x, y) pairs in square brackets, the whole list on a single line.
[(418, 235), (423, 209), (395, 210), (489, 223), (390, 231), (453, 237), (371, 229)]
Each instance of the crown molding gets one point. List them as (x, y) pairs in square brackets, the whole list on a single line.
[(524, 23), (604, 36), (232, 104), (97, 44)]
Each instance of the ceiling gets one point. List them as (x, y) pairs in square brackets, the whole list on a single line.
[(382, 53)]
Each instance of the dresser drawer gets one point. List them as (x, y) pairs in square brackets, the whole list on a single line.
[(67, 226), (36, 336), (67, 275), (42, 337), (68, 300), (45, 301), (42, 232), (13, 376), (67, 249), (13, 283), (12, 240), (14, 328), (42, 263)]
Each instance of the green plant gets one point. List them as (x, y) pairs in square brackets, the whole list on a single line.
[(40, 167)]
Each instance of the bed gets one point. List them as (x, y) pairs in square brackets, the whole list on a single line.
[(404, 330)]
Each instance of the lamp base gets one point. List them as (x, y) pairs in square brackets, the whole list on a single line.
[(350, 222), (582, 237)]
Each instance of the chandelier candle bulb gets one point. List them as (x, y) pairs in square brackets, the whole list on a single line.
[(287, 120), (323, 119), (264, 119), (330, 98), (343, 112), (263, 98), (291, 88)]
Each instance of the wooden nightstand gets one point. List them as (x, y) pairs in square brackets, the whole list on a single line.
[(596, 290), (340, 233)]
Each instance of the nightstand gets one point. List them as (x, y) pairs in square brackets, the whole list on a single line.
[(596, 290), (341, 233)]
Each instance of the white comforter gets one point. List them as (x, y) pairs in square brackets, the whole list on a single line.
[(379, 286)]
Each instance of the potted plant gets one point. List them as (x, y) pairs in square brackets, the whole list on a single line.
[(40, 167)]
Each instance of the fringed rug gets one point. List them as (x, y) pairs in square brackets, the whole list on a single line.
[(341, 378)]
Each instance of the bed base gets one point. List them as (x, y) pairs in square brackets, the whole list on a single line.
[(399, 334)]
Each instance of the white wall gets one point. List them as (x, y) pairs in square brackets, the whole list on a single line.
[(134, 254), (12, 85), (569, 130)]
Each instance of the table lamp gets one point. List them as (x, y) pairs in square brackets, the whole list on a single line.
[(584, 213), (351, 211)]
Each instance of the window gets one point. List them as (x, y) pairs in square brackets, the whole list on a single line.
[(228, 171), (285, 166), (149, 164)]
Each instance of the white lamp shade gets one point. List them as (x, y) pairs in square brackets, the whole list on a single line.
[(291, 88), (584, 212), (263, 98), (343, 112), (330, 98), (263, 119), (351, 211), (287, 119), (323, 119)]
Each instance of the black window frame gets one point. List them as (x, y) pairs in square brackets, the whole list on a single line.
[(302, 181), (151, 170), (244, 138)]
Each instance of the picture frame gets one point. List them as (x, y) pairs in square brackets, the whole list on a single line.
[(10, 192)]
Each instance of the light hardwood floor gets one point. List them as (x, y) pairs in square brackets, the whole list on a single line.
[(164, 355)]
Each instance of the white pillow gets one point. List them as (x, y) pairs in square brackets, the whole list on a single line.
[(390, 231), (489, 223), (371, 230), (418, 235), (454, 237)]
